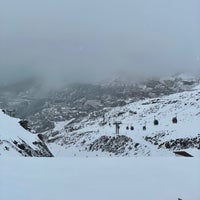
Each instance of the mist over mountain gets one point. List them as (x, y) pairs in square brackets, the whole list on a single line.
[(88, 41), (66, 59), (109, 79)]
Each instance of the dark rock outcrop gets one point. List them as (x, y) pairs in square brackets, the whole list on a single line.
[(116, 145)]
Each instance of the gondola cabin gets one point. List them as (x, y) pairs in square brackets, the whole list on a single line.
[(174, 120), (156, 122)]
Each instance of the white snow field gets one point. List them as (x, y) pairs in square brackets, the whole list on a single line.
[(99, 179), (10, 130), (15, 141)]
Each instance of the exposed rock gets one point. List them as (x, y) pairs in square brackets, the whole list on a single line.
[(116, 145), (176, 144)]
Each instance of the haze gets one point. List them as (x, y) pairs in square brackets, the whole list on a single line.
[(90, 40)]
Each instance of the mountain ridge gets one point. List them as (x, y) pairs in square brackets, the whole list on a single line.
[(95, 136)]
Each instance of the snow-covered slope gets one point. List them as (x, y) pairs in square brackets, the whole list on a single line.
[(100, 179), (96, 136), (16, 141)]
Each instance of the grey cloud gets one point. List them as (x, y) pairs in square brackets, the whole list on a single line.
[(88, 40)]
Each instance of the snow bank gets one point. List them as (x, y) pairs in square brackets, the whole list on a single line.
[(100, 179), (10, 128), (16, 141)]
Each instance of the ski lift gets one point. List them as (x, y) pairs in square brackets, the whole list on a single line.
[(132, 128), (175, 120), (155, 122), (144, 128), (127, 128)]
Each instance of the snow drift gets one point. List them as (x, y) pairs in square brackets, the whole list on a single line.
[(16, 141)]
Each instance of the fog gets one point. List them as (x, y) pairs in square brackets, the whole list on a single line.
[(90, 40)]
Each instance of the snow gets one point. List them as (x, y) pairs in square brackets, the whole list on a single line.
[(183, 76), (193, 152), (11, 130), (100, 178), (186, 77), (81, 175), (60, 125), (197, 87), (185, 105), (10, 127)]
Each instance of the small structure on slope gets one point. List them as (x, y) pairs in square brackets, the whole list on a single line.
[(182, 153)]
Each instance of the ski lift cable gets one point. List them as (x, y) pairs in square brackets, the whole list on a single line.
[(148, 118)]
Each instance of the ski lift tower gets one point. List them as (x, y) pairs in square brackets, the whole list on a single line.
[(117, 125)]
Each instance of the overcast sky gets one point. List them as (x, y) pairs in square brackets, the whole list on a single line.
[(91, 39)]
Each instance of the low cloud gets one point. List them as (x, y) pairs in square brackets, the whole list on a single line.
[(91, 40)]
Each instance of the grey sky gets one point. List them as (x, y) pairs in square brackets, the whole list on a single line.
[(90, 39)]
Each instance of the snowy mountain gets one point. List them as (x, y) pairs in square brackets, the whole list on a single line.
[(81, 122), (16, 141), (43, 105), (178, 128)]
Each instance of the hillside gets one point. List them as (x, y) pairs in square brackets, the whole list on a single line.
[(42, 104), (16, 141), (95, 136)]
